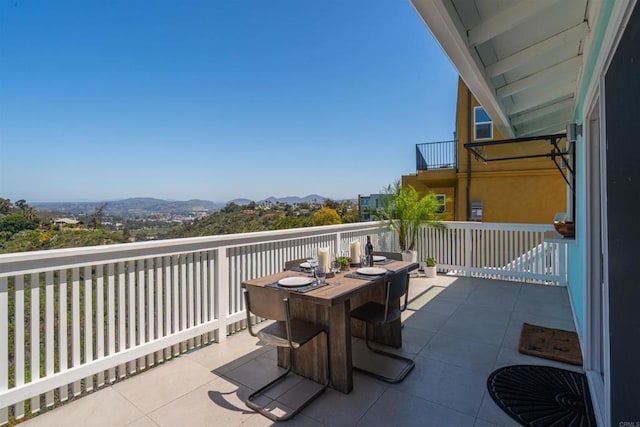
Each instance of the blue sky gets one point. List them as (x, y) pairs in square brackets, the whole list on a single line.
[(215, 99)]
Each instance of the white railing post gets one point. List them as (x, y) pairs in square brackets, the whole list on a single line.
[(4, 344), (467, 251), (49, 330), (221, 289), (562, 264), (34, 282)]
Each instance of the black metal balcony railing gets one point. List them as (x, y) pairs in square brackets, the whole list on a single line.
[(436, 155)]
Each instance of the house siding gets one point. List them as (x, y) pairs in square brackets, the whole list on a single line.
[(577, 253)]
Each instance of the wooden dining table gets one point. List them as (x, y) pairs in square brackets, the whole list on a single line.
[(331, 305)]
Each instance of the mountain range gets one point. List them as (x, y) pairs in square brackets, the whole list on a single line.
[(312, 198), (139, 205)]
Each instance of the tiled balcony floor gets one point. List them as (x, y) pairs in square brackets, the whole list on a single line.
[(458, 330)]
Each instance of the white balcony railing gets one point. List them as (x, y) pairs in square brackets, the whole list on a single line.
[(496, 250), (73, 320)]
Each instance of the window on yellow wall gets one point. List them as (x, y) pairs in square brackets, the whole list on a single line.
[(476, 211), (441, 199), (483, 126)]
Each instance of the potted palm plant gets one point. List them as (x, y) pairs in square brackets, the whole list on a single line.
[(405, 211)]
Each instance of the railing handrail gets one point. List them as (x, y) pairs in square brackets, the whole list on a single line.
[(437, 155), (24, 262), (436, 142), (50, 259)]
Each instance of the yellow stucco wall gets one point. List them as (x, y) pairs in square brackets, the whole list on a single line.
[(420, 184), (522, 197), (521, 148), (522, 191)]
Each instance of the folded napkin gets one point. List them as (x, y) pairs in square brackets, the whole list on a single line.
[(364, 276)]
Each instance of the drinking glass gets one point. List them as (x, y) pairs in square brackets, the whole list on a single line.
[(313, 263), (364, 260), (321, 276), (335, 266)]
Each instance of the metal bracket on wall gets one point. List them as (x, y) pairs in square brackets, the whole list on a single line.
[(482, 149)]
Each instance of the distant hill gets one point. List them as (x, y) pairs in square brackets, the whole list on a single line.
[(312, 198), (240, 202), (131, 206), (140, 206)]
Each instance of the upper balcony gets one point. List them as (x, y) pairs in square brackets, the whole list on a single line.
[(100, 315), (436, 155)]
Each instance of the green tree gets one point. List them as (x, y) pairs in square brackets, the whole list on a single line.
[(15, 223), (5, 206), (291, 222), (230, 208), (21, 204), (350, 217), (331, 204), (126, 233), (325, 216), (30, 214), (97, 217)]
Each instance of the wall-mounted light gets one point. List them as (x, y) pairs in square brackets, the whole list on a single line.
[(573, 130)]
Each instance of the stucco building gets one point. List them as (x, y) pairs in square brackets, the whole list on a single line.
[(522, 190)]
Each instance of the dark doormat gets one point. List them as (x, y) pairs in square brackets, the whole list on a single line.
[(550, 343), (542, 395)]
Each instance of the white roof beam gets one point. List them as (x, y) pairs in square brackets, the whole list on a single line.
[(550, 93), (559, 116), (533, 52), (564, 71), (542, 112), (546, 128), (442, 20), (505, 20)]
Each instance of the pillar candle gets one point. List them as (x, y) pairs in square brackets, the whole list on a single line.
[(323, 259), (355, 251)]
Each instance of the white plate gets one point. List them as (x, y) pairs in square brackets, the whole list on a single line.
[(379, 258), (372, 271), (295, 281), (305, 265)]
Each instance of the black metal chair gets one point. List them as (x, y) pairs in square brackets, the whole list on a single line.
[(288, 265), (284, 332), (397, 256), (377, 314)]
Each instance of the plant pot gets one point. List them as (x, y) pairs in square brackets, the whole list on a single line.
[(567, 229), (430, 271), (410, 256)]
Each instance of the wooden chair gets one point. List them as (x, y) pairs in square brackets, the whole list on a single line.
[(377, 314), (284, 332)]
